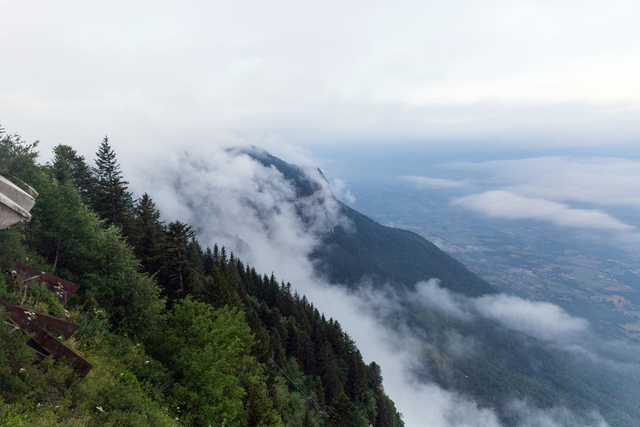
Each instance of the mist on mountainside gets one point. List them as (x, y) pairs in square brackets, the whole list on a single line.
[(444, 354)]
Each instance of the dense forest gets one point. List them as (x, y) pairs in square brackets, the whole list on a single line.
[(177, 334)]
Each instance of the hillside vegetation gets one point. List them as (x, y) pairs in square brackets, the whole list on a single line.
[(177, 334)]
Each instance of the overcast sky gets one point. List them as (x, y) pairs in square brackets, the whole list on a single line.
[(153, 74)]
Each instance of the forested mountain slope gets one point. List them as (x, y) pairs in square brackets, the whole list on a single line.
[(498, 350), (177, 334), (369, 251), (385, 255)]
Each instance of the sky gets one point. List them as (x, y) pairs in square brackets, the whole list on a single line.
[(505, 73)]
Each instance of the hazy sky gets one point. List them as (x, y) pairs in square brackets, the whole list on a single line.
[(152, 74)]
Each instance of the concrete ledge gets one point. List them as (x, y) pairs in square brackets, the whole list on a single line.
[(11, 213), (15, 193)]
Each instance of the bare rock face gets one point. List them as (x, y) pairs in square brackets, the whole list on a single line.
[(15, 204)]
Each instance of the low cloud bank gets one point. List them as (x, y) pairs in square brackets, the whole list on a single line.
[(599, 180), (542, 320), (251, 209), (504, 204)]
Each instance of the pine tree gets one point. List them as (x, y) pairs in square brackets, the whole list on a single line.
[(67, 165), (148, 236), (111, 200), (177, 267)]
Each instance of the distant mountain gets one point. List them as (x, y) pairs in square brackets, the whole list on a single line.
[(381, 255), (390, 255), (498, 365)]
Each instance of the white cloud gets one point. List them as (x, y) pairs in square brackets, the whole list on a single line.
[(436, 183), (235, 201), (539, 319), (504, 204), (597, 180), (430, 294), (340, 190)]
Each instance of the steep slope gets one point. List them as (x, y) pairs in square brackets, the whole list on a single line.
[(389, 255), (362, 249), (523, 360)]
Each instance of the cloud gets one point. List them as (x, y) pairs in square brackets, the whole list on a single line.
[(252, 210), (604, 181), (340, 190), (542, 320), (237, 202), (508, 205), (435, 183), (431, 295), (382, 73)]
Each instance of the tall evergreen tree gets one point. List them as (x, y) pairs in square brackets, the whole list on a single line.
[(68, 165), (111, 198), (177, 268), (148, 236)]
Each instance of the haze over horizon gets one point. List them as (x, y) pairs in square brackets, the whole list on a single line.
[(506, 74)]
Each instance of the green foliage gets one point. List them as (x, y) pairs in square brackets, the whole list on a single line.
[(11, 247), (131, 298), (42, 300), (63, 230), (15, 359), (209, 352), (111, 199), (17, 158), (148, 235), (67, 165), (71, 237)]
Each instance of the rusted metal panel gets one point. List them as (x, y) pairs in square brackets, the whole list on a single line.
[(43, 330), (42, 341), (55, 326), (63, 289)]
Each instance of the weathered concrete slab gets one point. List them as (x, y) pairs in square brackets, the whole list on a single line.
[(15, 204), (17, 194), (11, 213)]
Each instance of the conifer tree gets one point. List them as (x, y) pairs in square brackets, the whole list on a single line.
[(111, 200), (177, 267), (148, 235), (68, 165)]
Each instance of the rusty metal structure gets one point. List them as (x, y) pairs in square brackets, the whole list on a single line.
[(45, 332)]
